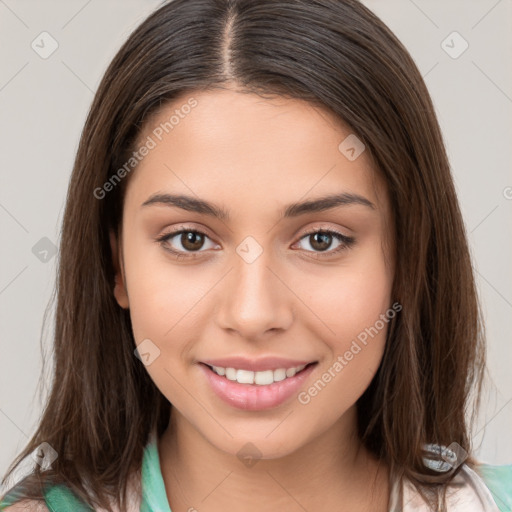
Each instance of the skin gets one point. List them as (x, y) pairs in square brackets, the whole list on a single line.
[(253, 156)]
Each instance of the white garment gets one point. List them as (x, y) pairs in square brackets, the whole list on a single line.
[(467, 492)]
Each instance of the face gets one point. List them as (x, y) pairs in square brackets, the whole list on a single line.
[(232, 276)]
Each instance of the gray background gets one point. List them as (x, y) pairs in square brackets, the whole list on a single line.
[(43, 103)]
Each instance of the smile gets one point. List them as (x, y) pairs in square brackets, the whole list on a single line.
[(262, 378), (256, 390)]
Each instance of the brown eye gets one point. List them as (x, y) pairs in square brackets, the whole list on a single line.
[(191, 240), (321, 242), (184, 242)]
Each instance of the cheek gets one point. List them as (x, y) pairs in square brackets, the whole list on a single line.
[(351, 297), (164, 304), (359, 317), (161, 293), (354, 303)]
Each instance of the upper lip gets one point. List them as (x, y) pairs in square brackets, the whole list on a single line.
[(256, 365)]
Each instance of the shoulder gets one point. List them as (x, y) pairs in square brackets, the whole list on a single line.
[(15, 500), (498, 479), (495, 473), (481, 487), (57, 498), (25, 506)]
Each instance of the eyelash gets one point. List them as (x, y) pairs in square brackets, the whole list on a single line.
[(346, 242)]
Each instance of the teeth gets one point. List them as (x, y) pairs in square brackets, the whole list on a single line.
[(279, 374), (231, 373), (263, 378), (244, 377), (219, 370), (291, 372)]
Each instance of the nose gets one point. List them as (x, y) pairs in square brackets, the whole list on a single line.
[(254, 299)]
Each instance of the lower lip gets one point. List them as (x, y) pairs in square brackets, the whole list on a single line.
[(252, 397)]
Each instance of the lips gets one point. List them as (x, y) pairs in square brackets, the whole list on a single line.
[(252, 397)]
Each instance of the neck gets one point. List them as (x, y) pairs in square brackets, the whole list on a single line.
[(332, 472)]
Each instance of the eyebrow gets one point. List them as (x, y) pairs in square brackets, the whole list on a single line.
[(201, 206)]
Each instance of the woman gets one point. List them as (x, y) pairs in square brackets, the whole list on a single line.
[(262, 230)]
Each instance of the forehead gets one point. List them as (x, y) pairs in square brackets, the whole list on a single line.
[(236, 147)]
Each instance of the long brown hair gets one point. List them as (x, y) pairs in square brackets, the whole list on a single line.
[(334, 53)]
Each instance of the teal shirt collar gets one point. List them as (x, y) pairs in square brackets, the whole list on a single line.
[(154, 496)]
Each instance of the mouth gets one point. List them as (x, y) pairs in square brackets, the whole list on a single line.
[(256, 390), (258, 378)]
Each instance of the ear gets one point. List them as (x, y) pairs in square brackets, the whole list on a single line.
[(120, 292)]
